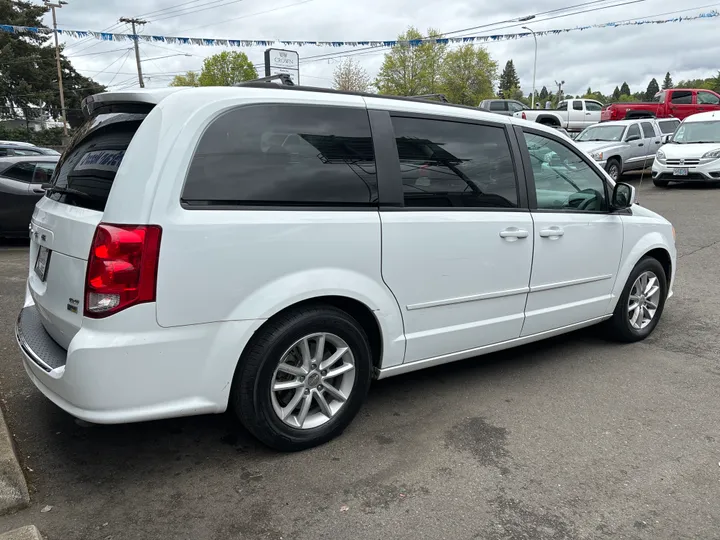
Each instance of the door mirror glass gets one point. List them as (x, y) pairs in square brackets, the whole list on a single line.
[(624, 196), (667, 138)]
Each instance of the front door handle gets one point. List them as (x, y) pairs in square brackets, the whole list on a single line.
[(641, 144), (513, 233), (553, 233), (657, 142)]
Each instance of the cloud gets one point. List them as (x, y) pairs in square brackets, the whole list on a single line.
[(597, 58)]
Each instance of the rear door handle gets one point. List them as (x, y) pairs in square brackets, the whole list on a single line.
[(513, 233), (552, 232)]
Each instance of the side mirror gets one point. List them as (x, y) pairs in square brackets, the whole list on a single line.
[(667, 139), (632, 138), (623, 196)]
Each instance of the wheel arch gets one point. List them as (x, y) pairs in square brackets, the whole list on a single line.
[(549, 119), (652, 245)]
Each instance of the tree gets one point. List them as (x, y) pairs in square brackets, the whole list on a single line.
[(351, 76), (29, 75), (468, 74), (667, 83), (544, 93), (227, 69), (191, 78), (412, 69), (624, 89), (509, 81), (616, 94), (652, 89)]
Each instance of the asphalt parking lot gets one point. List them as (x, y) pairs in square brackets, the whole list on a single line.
[(573, 438)]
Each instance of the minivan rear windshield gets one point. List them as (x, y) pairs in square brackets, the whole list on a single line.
[(87, 169)]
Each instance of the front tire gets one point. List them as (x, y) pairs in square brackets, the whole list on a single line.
[(614, 169), (303, 378), (641, 303), (661, 183)]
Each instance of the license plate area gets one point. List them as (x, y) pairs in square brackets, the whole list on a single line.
[(42, 262), (682, 171)]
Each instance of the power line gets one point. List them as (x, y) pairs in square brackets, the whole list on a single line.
[(121, 66), (381, 48), (170, 15), (247, 16), (102, 52), (152, 13)]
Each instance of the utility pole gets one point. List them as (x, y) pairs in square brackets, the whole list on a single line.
[(560, 92), (133, 22), (60, 4)]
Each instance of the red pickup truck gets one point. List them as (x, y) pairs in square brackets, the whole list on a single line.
[(677, 103)]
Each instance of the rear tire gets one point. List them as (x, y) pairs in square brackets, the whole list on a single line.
[(284, 353), (661, 183), (614, 169), (629, 325)]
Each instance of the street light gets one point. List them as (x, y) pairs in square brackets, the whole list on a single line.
[(532, 102), (52, 6)]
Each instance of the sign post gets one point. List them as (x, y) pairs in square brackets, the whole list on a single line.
[(278, 61)]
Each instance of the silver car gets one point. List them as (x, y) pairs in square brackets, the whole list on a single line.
[(623, 145)]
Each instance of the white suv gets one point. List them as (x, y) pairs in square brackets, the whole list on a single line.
[(692, 153), (272, 249)]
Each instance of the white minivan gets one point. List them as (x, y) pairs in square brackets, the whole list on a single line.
[(273, 249)]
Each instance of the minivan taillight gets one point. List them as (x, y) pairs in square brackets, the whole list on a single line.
[(122, 268)]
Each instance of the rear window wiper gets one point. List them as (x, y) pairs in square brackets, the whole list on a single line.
[(66, 191)]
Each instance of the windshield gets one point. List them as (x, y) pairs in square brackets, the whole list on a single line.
[(698, 132), (602, 133)]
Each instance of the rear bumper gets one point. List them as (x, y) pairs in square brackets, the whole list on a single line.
[(138, 371)]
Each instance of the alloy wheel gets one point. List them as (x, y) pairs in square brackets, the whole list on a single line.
[(313, 380), (644, 300)]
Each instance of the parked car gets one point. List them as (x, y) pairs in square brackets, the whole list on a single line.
[(574, 115), (506, 107), (21, 180), (9, 150), (676, 103), (623, 145), (667, 126), (692, 154), (272, 249), (17, 143)]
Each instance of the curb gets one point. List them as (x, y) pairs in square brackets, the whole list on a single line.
[(23, 533), (13, 489)]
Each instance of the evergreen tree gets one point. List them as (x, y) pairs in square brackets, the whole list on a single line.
[(544, 93), (509, 81), (667, 83), (652, 89), (625, 89), (616, 93)]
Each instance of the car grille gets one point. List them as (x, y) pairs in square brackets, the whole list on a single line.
[(683, 162), (691, 176)]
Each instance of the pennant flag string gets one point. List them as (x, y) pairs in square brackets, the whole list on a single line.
[(214, 42)]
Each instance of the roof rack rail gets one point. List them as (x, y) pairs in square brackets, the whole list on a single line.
[(431, 97), (284, 79)]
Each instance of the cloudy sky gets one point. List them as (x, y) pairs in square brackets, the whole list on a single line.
[(599, 58)]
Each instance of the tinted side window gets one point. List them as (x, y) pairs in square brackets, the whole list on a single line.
[(514, 106), (43, 173), (592, 106), (450, 164), (577, 106), (707, 98), (562, 106), (669, 126), (563, 181), (633, 131), (285, 155), (21, 171), (498, 106), (680, 97), (648, 130)]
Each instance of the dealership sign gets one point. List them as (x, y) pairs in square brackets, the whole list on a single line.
[(278, 61)]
